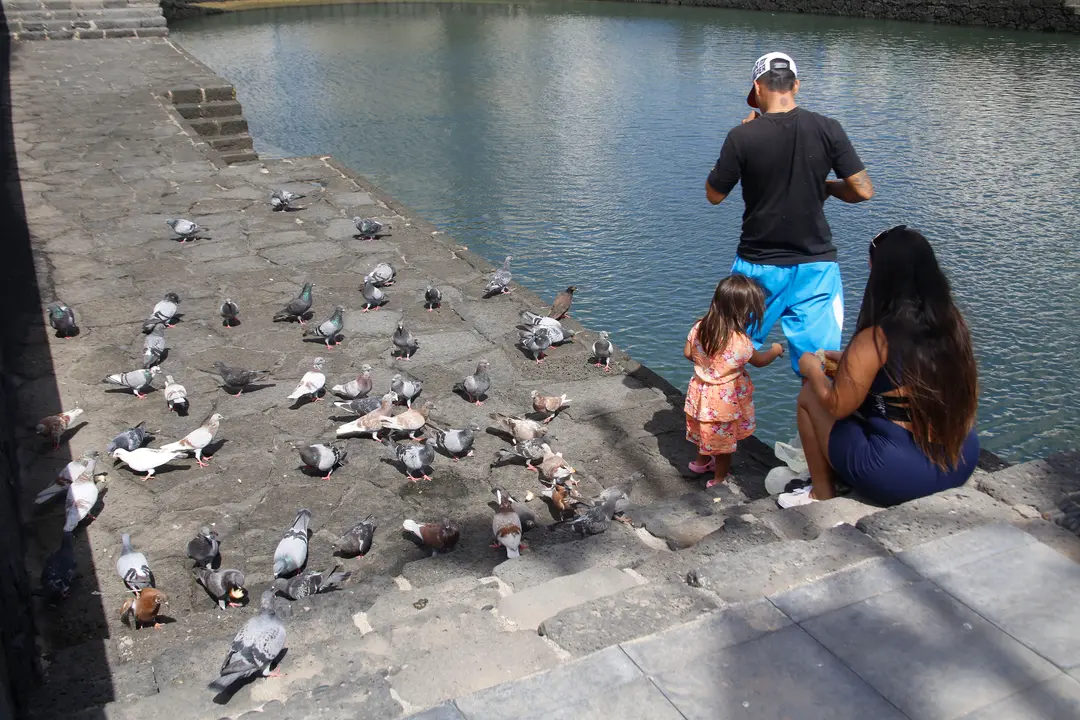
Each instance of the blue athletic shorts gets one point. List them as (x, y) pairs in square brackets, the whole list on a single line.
[(807, 299)]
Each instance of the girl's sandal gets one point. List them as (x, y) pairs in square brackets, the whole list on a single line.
[(702, 469), (714, 482)]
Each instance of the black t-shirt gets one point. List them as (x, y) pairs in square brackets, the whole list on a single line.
[(783, 160)]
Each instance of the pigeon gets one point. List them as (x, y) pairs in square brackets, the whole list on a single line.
[(357, 539), (146, 460), (62, 319), (404, 343), (60, 572), (549, 405), (371, 423), (254, 648), (329, 329), (233, 378), (163, 313), (560, 499), (225, 586), (230, 312), (438, 536), (67, 476), (531, 451), (409, 421), (297, 307), (280, 199), (132, 567), (621, 492), (522, 428), (373, 296), (558, 332), (186, 230), (369, 228), (597, 518), (363, 406), (602, 350), (291, 552), (382, 275), (311, 583), (143, 609), (131, 439), (154, 347), (553, 467), (536, 341), (175, 396), (457, 442), (313, 383), (357, 388), (322, 457), (414, 457), (475, 386), (204, 547), (506, 526), (432, 298), (561, 305), (54, 426), (82, 496), (500, 280), (406, 387), (529, 519), (135, 379)]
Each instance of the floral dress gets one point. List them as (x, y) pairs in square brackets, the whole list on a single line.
[(720, 400)]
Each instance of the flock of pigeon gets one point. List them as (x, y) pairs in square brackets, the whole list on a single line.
[(261, 640)]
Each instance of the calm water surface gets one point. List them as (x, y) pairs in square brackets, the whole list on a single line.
[(577, 137)]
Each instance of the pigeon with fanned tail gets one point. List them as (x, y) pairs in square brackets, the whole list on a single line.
[(230, 313), (234, 378), (146, 459), (323, 458), (62, 319), (281, 199), (197, 440), (154, 347), (432, 298), (291, 552), (602, 351), (175, 396), (53, 427), (506, 525), (475, 386), (329, 329), (374, 298), (406, 387), (131, 439), (362, 406), (559, 333), (357, 539), (163, 313), (500, 280), (133, 567), (136, 380), (312, 384), (415, 458), (405, 345), (370, 424), (549, 405), (356, 388), (297, 307), (382, 275), (204, 547), (436, 536), (561, 305), (311, 583), (536, 341), (254, 648), (60, 572), (458, 443), (226, 586), (186, 230), (531, 451), (369, 228)]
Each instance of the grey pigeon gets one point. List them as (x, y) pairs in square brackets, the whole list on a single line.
[(132, 567), (234, 378), (432, 298), (531, 451), (131, 439), (369, 228), (414, 457), (457, 442), (60, 572), (597, 518), (620, 492), (154, 347), (558, 332), (357, 539), (529, 519), (536, 341), (82, 495), (356, 388), (322, 457), (311, 583), (291, 553), (373, 296), (62, 319), (404, 343), (225, 586), (135, 379), (186, 229), (506, 525), (163, 313), (230, 313), (602, 350), (297, 307), (204, 547), (281, 199), (500, 280), (254, 648), (382, 275), (361, 406), (329, 329), (475, 386), (406, 387)]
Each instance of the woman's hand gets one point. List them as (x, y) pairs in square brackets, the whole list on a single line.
[(834, 355), (810, 364), (777, 350)]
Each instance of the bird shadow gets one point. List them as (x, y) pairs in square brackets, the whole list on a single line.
[(337, 340), (211, 450), (305, 317), (248, 388), (500, 433), (182, 410), (74, 332), (495, 293), (230, 322), (121, 390), (311, 472), (306, 400), (527, 354), (223, 697), (460, 392), (73, 430)]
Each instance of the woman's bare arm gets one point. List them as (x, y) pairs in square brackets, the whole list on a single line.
[(859, 365)]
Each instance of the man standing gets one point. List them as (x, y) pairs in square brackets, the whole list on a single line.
[(783, 155)]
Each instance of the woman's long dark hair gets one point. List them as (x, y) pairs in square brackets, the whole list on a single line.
[(737, 307), (929, 349)]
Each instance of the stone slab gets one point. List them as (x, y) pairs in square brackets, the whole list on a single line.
[(530, 607), (1041, 484), (1056, 699), (808, 521), (929, 655), (844, 588), (446, 711), (938, 556)]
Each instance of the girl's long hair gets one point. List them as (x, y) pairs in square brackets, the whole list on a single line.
[(737, 307), (929, 348)]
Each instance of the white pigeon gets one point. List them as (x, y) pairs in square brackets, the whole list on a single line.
[(175, 394), (146, 459), (82, 495), (65, 477), (312, 383), (197, 440)]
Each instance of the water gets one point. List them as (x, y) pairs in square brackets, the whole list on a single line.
[(577, 137)]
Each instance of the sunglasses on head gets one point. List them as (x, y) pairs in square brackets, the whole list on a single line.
[(882, 234)]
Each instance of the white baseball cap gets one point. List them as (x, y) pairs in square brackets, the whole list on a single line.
[(765, 63)]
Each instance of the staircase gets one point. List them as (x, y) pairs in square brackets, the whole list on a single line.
[(83, 19), (215, 114)]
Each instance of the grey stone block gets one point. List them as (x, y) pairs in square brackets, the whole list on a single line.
[(808, 521), (784, 674), (619, 547), (204, 126), (149, 22), (120, 33), (844, 588), (218, 93), (944, 554), (929, 655), (185, 96), (233, 126), (153, 32), (61, 34), (530, 607), (1056, 699), (1043, 484), (446, 711), (31, 35), (90, 34), (229, 143)]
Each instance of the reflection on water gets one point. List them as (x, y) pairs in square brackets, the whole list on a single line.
[(577, 137)]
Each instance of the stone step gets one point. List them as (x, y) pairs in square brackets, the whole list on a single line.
[(52, 5), (530, 607), (231, 125), (230, 143), (683, 521), (212, 109), (31, 16), (90, 34), (1044, 485), (239, 156), (52, 26)]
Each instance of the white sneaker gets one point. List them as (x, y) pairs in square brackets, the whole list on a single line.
[(796, 498)]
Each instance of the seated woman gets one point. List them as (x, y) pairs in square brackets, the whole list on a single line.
[(897, 421)]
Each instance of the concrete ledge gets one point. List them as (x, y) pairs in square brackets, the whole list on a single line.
[(1042, 484), (531, 607)]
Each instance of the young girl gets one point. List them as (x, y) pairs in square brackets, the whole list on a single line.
[(720, 400)]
